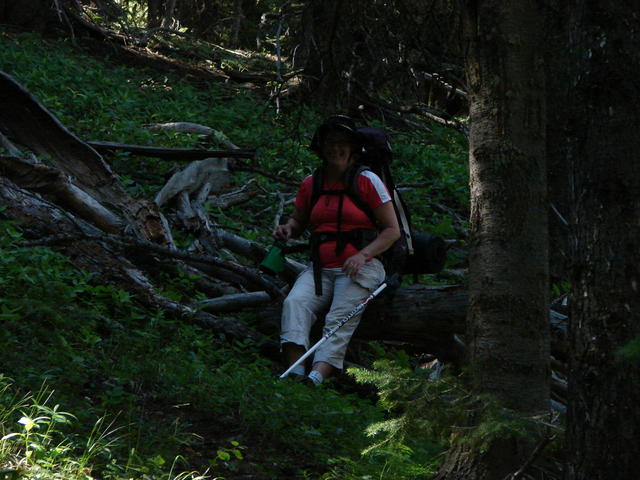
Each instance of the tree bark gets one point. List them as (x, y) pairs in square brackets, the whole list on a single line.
[(234, 40), (558, 173), (508, 325), (603, 431)]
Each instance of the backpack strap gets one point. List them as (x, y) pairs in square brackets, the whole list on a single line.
[(316, 190), (351, 189), (399, 205), (403, 220), (341, 238)]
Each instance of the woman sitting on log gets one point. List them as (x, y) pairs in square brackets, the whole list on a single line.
[(345, 241)]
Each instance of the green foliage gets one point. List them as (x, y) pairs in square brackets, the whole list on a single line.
[(94, 361), (36, 443), (102, 352), (560, 288), (98, 100), (630, 351), (429, 409)]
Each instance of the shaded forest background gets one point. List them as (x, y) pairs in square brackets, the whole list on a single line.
[(470, 381)]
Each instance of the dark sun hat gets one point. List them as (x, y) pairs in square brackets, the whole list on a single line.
[(338, 123)]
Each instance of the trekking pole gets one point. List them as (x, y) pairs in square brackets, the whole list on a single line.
[(357, 309)]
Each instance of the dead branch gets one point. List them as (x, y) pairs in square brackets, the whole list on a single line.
[(410, 185), (151, 248), (532, 458), (44, 179), (212, 171), (255, 252), (149, 34), (279, 210), (182, 127), (437, 80), (233, 198), (243, 167), (390, 109), (210, 286), (175, 154), (239, 76), (234, 303)]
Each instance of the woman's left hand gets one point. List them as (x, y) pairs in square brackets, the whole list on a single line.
[(353, 264)]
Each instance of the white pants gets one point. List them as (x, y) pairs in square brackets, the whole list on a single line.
[(340, 294)]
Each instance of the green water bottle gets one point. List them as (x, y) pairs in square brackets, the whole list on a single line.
[(274, 262)]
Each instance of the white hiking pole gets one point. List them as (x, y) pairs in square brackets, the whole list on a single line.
[(358, 308)]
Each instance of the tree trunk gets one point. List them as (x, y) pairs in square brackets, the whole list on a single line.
[(234, 40), (508, 327), (303, 53), (603, 432), (36, 15), (558, 174), (170, 7), (154, 13)]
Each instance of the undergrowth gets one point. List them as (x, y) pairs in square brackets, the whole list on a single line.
[(150, 396)]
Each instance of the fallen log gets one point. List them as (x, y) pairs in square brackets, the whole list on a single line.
[(148, 248), (237, 197), (26, 122), (430, 319), (39, 219), (420, 317), (41, 178), (426, 318), (175, 154)]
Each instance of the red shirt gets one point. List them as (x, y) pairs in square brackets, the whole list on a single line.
[(324, 216)]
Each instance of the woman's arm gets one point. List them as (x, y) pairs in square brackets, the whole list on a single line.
[(294, 226), (389, 233)]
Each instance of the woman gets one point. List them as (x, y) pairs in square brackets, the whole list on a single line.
[(346, 269)]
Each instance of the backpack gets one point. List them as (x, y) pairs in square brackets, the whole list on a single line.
[(402, 257)]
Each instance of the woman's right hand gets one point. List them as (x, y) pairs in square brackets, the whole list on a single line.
[(283, 232)]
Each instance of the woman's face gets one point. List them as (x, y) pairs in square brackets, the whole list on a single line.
[(337, 148)]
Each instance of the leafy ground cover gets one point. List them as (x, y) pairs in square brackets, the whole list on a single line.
[(150, 396)]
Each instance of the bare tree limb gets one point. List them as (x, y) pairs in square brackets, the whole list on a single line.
[(279, 210), (170, 153), (148, 247), (233, 198), (242, 167), (234, 303), (212, 171), (437, 79), (182, 127)]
